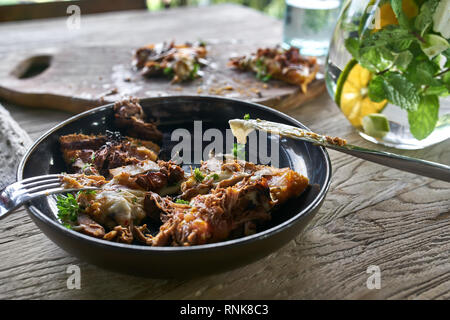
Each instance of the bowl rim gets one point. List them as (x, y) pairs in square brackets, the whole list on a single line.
[(34, 211)]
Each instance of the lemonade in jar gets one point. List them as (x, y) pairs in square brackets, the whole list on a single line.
[(388, 70)]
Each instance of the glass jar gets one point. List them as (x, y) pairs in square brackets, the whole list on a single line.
[(388, 72)]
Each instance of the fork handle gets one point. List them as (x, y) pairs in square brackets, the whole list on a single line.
[(417, 166)]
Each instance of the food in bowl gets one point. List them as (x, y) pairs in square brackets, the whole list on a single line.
[(144, 200)]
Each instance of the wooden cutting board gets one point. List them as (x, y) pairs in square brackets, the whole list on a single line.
[(79, 78)]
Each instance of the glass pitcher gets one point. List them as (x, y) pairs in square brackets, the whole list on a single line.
[(388, 70)]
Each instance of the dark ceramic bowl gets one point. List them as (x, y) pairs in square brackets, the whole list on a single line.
[(44, 157)]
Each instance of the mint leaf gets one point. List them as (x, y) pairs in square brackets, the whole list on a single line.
[(400, 14), (446, 78), (400, 91), (446, 54), (403, 59), (422, 73), (393, 37), (352, 45), (442, 91), (376, 59), (422, 121), (425, 17), (376, 89)]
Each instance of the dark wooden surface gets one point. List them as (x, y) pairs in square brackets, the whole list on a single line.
[(372, 215)]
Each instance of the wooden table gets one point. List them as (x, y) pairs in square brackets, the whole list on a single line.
[(372, 215)]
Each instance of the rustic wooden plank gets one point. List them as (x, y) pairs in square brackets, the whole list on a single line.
[(372, 216)]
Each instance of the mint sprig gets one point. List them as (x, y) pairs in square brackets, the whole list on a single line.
[(405, 70)]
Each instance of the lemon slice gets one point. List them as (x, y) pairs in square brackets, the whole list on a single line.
[(434, 45), (376, 125), (352, 94)]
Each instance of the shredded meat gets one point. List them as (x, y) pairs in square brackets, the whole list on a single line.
[(120, 234), (115, 151), (77, 181), (213, 217), (159, 208), (285, 65), (180, 62), (130, 116), (169, 174), (88, 226), (141, 233)]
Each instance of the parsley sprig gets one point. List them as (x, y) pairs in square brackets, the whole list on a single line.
[(261, 70), (198, 175), (410, 62), (68, 208), (181, 201), (238, 151)]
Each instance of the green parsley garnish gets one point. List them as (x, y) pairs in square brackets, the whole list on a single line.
[(215, 176), (168, 71), (68, 208), (194, 71), (261, 71), (180, 201), (87, 192), (238, 150), (246, 116), (86, 166), (198, 175)]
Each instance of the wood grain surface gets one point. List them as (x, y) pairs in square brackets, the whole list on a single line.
[(75, 79), (372, 215), (14, 142)]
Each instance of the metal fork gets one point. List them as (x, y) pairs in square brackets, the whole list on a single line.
[(20, 192)]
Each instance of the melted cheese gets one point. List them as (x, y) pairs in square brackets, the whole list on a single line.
[(123, 205), (241, 129)]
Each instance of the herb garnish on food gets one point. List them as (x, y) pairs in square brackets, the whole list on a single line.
[(238, 150), (68, 208), (198, 175)]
